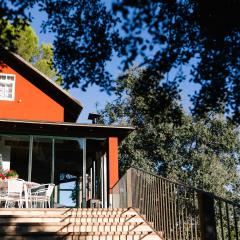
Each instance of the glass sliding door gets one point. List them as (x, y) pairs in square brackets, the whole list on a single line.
[(96, 172), (14, 153), (68, 172), (77, 166), (42, 160)]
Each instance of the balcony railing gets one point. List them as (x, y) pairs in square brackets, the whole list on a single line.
[(177, 211)]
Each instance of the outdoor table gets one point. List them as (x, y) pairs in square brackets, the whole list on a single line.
[(26, 187)]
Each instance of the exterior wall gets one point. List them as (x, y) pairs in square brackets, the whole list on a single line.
[(113, 162), (30, 103)]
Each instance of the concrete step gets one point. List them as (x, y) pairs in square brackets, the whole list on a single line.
[(69, 218), (66, 211), (83, 236), (70, 227), (71, 224)]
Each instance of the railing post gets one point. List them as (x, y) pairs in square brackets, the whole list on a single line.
[(207, 216), (129, 187)]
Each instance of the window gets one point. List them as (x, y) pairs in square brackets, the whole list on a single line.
[(7, 87)]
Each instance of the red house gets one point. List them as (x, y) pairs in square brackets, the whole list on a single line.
[(40, 139)]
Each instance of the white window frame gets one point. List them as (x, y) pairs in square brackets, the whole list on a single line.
[(8, 81)]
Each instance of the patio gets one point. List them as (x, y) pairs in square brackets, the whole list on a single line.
[(81, 160), (20, 193), (43, 160)]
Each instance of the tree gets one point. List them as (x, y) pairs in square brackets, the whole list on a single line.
[(44, 62), (25, 44), (205, 154), (176, 32), (143, 103), (202, 153), (16, 13), (161, 35), (85, 41)]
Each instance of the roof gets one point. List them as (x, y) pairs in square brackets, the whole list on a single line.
[(72, 107), (66, 129)]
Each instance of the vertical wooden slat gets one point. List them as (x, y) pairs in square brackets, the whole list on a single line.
[(161, 206), (191, 214), (169, 211), (221, 218), (196, 222), (183, 216), (136, 203), (154, 198), (179, 215), (186, 214), (235, 224), (156, 206), (175, 212), (163, 209), (228, 223), (207, 216), (129, 188), (166, 209), (145, 195), (180, 212), (150, 199), (172, 212)]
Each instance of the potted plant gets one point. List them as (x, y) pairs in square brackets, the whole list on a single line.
[(11, 174), (2, 177)]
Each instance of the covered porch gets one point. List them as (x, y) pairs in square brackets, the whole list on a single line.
[(80, 159)]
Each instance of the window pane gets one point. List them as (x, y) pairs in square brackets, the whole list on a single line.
[(68, 170), (41, 160), (1, 90), (7, 84), (14, 151), (66, 198)]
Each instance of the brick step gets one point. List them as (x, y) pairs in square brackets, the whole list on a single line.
[(69, 218), (83, 236), (65, 211), (72, 227)]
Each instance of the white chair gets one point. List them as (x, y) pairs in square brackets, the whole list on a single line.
[(14, 193), (3, 192), (26, 200), (41, 195)]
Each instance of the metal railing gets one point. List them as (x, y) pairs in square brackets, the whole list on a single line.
[(177, 211), (227, 215)]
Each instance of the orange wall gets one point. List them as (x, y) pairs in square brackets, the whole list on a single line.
[(113, 161), (30, 102)]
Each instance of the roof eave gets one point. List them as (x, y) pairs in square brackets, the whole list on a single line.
[(72, 106)]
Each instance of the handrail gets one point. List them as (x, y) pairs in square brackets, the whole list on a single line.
[(187, 186), (177, 210)]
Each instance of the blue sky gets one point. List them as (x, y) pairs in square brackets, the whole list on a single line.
[(93, 96)]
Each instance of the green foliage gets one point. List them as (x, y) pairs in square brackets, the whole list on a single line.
[(85, 41), (162, 35), (202, 153), (205, 153), (204, 36), (150, 105), (26, 44), (44, 61), (15, 13)]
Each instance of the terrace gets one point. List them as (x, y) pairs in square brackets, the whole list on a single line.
[(76, 158)]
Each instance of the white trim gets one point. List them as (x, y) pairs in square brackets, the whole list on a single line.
[(7, 81), (105, 174), (45, 77)]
